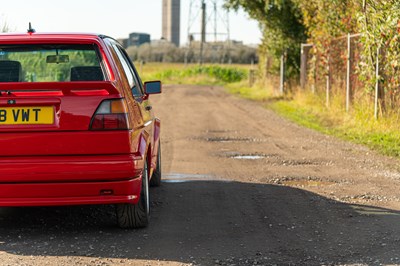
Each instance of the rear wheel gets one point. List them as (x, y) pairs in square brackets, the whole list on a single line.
[(156, 178), (136, 215)]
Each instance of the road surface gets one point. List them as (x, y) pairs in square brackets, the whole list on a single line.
[(242, 186)]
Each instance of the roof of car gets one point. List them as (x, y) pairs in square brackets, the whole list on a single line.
[(27, 37)]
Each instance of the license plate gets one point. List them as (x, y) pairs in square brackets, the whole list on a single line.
[(41, 115)]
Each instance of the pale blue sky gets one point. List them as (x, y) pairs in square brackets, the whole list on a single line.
[(116, 18)]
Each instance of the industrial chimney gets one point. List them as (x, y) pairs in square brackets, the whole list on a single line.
[(171, 20)]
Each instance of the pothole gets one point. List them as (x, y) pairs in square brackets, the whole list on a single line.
[(368, 197), (229, 139), (304, 181), (216, 131), (299, 162)]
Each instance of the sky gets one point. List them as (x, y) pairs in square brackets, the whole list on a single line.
[(117, 18)]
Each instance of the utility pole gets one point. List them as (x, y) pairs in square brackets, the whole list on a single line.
[(215, 21), (207, 21)]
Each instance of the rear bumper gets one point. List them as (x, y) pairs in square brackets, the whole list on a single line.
[(70, 180), (58, 194)]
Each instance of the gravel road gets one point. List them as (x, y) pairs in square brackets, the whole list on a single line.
[(242, 186)]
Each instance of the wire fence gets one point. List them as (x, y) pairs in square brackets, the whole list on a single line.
[(334, 73)]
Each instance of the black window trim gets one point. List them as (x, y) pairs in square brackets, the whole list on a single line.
[(132, 68)]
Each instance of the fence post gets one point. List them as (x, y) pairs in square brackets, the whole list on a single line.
[(303, 67), (328, 83), (252, 73), (305, 51), (327, 90), (282, 75), (348, 80), (376, 107), (314, 82)]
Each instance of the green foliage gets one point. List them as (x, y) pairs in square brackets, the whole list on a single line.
[(220, 75), (287, 23), (379, 21), (281, 25), (224, 74), (325, 20)]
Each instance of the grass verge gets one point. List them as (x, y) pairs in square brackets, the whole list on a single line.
[(358, 126)]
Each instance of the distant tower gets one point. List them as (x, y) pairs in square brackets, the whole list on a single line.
[(210, 18), (171, 20)]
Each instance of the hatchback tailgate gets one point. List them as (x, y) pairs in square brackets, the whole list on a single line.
[(54, 119)]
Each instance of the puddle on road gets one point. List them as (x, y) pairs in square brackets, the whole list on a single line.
[(183, 178), (364, 210), (248, 157)]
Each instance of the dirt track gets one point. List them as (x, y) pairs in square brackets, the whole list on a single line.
[(242, 187)]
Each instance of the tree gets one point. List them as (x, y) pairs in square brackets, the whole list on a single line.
[(379, 20), (281, 23), (4, 26)]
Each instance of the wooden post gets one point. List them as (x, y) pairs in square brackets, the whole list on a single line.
[(303, 67), (305, 51), (328, 83), (348, 80), (327, 90), (252, 77), (314, 81), (282, 75), (377, 84)]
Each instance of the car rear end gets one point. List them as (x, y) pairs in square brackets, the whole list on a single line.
[(65, 131)]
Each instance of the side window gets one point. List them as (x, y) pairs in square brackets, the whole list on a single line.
[(129, 72)]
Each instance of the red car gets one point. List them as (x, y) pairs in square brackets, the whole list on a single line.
[(76, 125)]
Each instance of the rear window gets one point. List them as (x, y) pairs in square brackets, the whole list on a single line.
[(49, 63)]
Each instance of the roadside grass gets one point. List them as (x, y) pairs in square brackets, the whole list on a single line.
[(358, 126), (210, 74), (258, 92), (306, 109)]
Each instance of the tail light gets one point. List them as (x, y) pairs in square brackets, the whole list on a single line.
[(110, 115)]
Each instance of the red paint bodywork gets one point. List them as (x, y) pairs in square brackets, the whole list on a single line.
[(66, 163)]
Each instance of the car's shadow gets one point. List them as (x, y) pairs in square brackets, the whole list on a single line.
[(213, 222)]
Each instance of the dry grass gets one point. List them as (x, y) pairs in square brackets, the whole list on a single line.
[(359, 125)]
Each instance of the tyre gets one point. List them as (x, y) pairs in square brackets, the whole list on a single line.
[(136, 215), (155, 180)]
